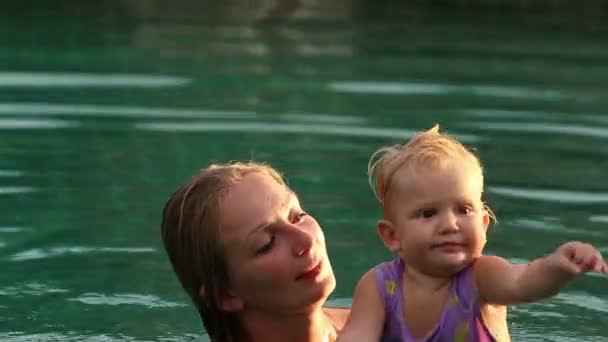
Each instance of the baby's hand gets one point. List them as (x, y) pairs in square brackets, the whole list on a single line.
[(575, 257)]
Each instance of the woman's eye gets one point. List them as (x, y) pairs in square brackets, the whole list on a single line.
[(268, 246)]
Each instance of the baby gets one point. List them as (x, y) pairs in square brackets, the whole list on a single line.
[(440, 287)]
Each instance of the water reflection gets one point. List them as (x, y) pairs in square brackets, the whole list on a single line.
[(11, 190), (19, 108), (561, 196), (76, 337), (509, 114), (11, 173), (269, 127), (599, 218), (549, 226), (11, 229), (538, 127), (30, 289), (585, 301), (40, 253), (46, 80), (15, 124), (408, 88), (149, 301), (324, 118)]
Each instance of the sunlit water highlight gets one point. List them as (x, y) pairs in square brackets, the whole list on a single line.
[(269, 127), (116, 111), (149, 301), (10, 190), (16, 124), (48, 79), (407, 88), (40, 253), (549, 195), (534, 127)]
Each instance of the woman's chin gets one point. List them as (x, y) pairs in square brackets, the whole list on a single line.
[(318, 294)]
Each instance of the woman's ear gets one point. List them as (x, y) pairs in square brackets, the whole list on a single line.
[(387, 233), (229, 302), (232, 303)]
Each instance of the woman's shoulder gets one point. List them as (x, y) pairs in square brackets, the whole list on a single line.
[(337, 315)]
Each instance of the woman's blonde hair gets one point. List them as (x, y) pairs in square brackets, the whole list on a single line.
[(191, 226), (427, 148)]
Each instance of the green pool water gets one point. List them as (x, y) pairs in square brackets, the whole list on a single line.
[(105, 108)]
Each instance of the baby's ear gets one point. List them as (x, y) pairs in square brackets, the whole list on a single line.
[(387, 233), (486, 219)]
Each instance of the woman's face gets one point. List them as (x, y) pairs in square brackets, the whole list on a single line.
[(276, 254)]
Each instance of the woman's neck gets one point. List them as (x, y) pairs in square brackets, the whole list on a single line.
[(312, 326)]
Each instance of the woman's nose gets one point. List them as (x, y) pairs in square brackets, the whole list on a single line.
[(303, 241)]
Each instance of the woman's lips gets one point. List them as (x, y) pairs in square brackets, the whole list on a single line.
[(311, 273)]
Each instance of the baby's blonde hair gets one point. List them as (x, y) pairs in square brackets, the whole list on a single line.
[(429, 148)]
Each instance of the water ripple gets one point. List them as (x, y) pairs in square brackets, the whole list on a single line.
[(10, 173), (36, 124), (509, 114), (19, 336), (11, 229), (12, 108), (46, 80), (149, 301), (54, 337), (39, 253), (549, 227), (30, 289), (308, 49), (324, 118), (566, 129), (10, 190), (585, 300), (599, 218), (342, 130), (414, 88), (538, 310), (561, 196)]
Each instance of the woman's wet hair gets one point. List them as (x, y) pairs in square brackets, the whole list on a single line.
[(191, 228)]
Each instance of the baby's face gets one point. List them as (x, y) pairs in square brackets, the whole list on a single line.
[(438, 216)]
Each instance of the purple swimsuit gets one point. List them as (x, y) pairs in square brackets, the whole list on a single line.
[(460, 319)]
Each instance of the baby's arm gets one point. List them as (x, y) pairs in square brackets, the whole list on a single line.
[(500, 282), (366, 320)]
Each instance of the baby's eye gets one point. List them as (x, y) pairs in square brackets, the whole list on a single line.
[(299, 217), (427, 213), (465, 209)]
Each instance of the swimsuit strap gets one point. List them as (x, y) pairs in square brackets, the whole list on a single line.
[(332, 335)]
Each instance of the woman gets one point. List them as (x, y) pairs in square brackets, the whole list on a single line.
[(253, 262)]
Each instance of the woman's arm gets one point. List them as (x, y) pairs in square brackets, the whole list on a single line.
[(366, 320), (500, 282)]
